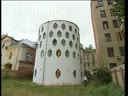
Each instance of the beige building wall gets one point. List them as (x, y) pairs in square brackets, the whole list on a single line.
[(90, 62), (82, 62), (99, 33), (15, 53), (6, 42)]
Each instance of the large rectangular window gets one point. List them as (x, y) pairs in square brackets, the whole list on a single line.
[(29, 56), (115, 23), (107, 37), (121, 49), (112, 65), (100, 3), (105, 24), (112, 12), (119, 21), (102, 13), (110, 2), (93, 60), (110, 51), (119, 36), (10, 56)]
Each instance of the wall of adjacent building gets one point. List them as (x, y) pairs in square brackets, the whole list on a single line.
[(101, 45)]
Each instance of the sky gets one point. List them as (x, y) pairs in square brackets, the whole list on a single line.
[(21, 19)]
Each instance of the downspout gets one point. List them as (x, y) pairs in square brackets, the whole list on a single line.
[(45, 52)]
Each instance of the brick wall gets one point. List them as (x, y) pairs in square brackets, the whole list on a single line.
[(25, 70)]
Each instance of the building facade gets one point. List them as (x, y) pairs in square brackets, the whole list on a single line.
[(109, 39), (57, 59), (17, 56), (90, 61), (82, 62)]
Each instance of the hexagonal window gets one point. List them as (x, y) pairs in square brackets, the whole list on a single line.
[(63, 26), (55, 25), (54, 42), (63, 42), (44, 35), (67, 35), (59, 34), (42, 53), (70, 44), (73, 37), (74, 73), (76, 45), (42, 29), (50, 34), (70, 28), (67, 53), (40, 44), (49, 52), (58, 53), (75, 30), (58, 73), (74, 55), (39, 37)]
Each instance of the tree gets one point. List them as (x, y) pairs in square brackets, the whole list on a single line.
[(119, 7)]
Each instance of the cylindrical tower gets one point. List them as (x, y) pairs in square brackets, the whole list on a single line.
[(57, 56)]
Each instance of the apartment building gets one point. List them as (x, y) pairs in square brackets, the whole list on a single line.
[(82, 67), (90, 63), (109, 39), (17, 55)]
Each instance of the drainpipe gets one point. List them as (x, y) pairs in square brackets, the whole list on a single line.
[(45, 52)]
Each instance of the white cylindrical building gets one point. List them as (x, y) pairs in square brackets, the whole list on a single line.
[(57, 59)]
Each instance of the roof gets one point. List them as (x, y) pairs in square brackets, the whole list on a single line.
[(20, 44), (23, 41), (28, 42), (3, 36)]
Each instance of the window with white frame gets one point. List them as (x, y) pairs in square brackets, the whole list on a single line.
[(29, 56)]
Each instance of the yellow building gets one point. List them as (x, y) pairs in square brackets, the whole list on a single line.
[(17, 55), (109, 39), (90, 62)]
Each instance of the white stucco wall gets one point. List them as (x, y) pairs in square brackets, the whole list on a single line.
[(46, 66)]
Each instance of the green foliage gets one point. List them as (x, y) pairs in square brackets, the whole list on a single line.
[(103, 76), (119, 7), (110, 89)]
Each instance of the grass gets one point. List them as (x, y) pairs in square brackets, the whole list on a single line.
[(23, 87), (110, 89), (17, 87)]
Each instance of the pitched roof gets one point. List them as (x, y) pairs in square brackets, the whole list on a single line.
[(3, 36)]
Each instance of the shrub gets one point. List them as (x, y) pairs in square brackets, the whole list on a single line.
[(110, 89), (103, 76)]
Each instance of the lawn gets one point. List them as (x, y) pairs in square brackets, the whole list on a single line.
[(22, 87), (18, 87)]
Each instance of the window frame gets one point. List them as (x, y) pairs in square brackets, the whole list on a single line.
[(110, 51)]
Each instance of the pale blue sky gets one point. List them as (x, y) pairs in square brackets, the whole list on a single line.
[(21, 19)]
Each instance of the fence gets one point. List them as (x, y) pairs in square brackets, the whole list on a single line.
[(118, 75)]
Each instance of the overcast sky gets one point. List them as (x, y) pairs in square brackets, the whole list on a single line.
[(21, 19)]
